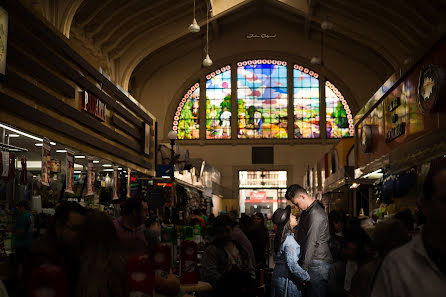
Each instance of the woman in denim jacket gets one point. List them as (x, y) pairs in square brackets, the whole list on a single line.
[(288, 277)]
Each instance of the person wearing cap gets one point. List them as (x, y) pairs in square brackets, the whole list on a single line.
[(288, 277), (312, 235)]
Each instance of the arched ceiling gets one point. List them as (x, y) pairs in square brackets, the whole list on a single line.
[(127, 33)]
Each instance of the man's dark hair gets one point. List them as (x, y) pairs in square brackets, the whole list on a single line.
[(294, 190), (131, 204), (63, 211), (24, 204), (221, 221), (196, 212), (436, 166)]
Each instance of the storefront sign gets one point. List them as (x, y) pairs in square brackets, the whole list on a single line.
[(396, 132), (94, 106), (90, 182), (70, 173), (3, 39), (394, 104), (115, 182), (258, 196), (147, 136), (46, 162), (431, 87)]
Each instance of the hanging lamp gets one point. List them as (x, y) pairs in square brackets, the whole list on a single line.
[(207, 61), (194, 27)]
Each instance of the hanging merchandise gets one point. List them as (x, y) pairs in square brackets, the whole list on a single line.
[(46, 161), (115, 183), (129, 185), (5, 165), (108, 181), (23, 173), (405, 182), (69, 188), (90, 182)]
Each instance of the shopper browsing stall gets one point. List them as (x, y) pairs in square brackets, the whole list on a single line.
[(130, 227)]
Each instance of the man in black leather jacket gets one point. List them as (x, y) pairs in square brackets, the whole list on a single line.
[(312, 235)]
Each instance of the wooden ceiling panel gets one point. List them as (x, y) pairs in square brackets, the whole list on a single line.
[(385, 31)]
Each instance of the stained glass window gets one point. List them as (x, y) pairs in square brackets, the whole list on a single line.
[(262, 99), (187, 115), (338, 115), (262, 90), (306, 103), (218, 104)]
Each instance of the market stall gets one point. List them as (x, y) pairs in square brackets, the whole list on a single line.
[(398, 134)]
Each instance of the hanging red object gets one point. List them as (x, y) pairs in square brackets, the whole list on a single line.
[(139, 277), (23, 174), (189, 262), (162, 258), (48, 281)]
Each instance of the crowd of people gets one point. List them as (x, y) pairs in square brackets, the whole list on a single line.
[(315, 254)]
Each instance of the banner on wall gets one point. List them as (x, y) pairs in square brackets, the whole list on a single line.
[(3, 39), (46, 161), (129, 185), (70, 172), (147, 136), (90, 182), (115, 182)]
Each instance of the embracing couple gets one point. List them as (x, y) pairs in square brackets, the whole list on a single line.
[(302, 263)]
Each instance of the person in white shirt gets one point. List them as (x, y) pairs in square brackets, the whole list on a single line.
[(419, 267), (225, 118)]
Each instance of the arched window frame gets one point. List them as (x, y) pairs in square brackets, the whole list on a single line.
[(321, 76)]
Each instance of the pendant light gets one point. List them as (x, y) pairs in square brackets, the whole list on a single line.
[(194, 27), (207, 61)]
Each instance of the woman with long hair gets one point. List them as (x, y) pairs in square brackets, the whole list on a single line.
[(102, 267), (288, 277)]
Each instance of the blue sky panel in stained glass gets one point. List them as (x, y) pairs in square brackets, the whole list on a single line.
[(262, 99), (306, 103), (187, 115), (218, 104), (338, 114)]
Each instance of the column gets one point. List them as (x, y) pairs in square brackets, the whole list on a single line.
[(290, 109), (203, 107), (234, 102), (322, 107)]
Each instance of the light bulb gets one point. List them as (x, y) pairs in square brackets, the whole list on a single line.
[(315, 60), (194, 27), (207, 61), (326, 25)]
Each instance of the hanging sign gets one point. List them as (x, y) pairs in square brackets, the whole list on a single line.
[(147, 136), (115, 182), (70, 172), (94, 106), (90, 182), (46, 161), (129, 185), (3, 39)]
